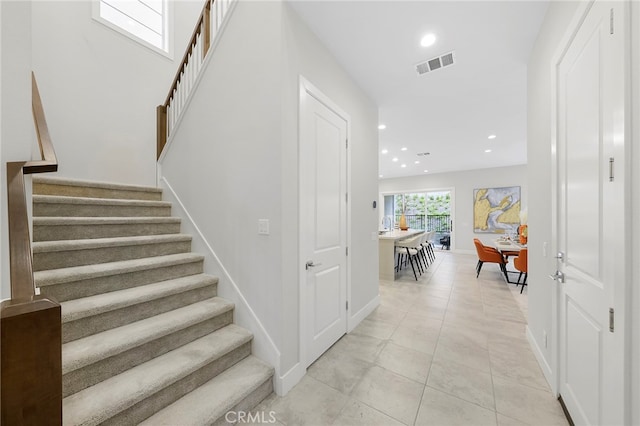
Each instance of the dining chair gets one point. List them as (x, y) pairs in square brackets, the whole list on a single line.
[(489, 255), (520, 263)]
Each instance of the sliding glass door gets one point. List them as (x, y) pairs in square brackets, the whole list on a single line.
[(429, 211)]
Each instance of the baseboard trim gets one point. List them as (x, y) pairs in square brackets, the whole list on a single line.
[(544, 365), (291, 378), (566, 411), (355, 319), (262, 345)]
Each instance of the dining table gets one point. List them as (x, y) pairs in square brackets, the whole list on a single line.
[(503, 245), (387, 251), (508, 247)]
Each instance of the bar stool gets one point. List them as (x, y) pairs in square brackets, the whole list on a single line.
[(411, 248)]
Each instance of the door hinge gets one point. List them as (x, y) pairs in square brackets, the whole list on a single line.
[(346, 143), (347, 305), (611, 320), (611, 21), (346, 197), (611, 161), (346, 251)]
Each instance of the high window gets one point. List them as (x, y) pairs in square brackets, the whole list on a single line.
[(145, 21)]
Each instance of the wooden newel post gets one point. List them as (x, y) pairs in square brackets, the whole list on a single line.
[(161, 130), (30, 362)]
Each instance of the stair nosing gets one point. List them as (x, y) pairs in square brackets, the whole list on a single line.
[(78, 273), (118, 402), (93, 243), (95, 184), (138, 333), (72, 310)]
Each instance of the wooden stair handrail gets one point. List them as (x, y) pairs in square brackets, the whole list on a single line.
[(203, 26), (20, 257)]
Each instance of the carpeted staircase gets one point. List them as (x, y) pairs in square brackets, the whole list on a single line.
[(145, 338)]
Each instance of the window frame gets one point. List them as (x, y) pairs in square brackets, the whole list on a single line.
[(167, 18)]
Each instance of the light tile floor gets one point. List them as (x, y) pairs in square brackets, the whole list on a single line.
[(449, 349)]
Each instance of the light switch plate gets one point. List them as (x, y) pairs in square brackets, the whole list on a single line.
[(263, 226)]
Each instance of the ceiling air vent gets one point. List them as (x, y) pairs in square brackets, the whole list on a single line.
[(435, 63)]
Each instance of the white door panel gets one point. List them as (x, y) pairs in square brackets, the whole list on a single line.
[(590, 218), (323, 187)]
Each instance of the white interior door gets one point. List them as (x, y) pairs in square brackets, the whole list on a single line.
[(323, 197), (591, 217)]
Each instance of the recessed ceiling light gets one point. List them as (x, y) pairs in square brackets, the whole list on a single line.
[(403, 165), (404, 148), (382, 126), (487, 150), (384, 151), (394, 159), (426, 171), (416, 162), (428, 40), (491, 137), (379, 175)]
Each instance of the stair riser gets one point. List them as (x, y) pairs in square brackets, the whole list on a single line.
[(90, 287), (93, 192), (63, 259), (170, 394), (250, 402), (89, 375), (97, 323), (97, 210), (81, 232)]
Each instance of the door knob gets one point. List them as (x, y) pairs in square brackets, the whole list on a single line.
[(558, 276), (310, 264)]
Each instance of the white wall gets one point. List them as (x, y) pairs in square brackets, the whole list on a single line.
[(224, 162), (234, 160), (306, 56), (539, 158), (100, 90), (463, 183), (17, 133), (634, 327)]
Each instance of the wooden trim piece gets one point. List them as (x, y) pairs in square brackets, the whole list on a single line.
[(31, 362), (20, 257), (49, 161), (161, 131), (207, 28)]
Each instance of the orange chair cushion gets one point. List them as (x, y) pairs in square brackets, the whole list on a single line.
[(487, 254), (520, 262)]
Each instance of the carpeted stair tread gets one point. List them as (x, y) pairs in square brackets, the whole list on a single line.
[(65, 199), (76, 309), (63, 186), (102, 401), (230, 387), (92, 243), (67, 206), (97, 221), (77, 273), (82, 352)]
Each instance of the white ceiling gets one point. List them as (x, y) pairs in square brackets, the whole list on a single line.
[(448, 112)]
